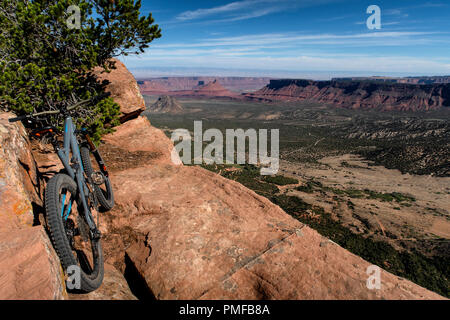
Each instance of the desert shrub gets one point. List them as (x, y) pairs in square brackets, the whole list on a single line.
[(307, 188), (280, 180)]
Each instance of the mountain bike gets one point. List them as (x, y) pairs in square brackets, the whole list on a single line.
[(71, 197)]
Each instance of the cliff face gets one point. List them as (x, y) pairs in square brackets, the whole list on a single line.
[(358, 94), (29, 267), (181, 232)]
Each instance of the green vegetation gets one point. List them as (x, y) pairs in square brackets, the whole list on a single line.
[(431, 273), (389, 197), (46, 63), (280, 180), (309, 187), (401, 198), (369, 194)]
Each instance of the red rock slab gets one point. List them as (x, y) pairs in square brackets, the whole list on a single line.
[(114, 287), (139, 135), (201, 236), (307, 266), (29, 267)]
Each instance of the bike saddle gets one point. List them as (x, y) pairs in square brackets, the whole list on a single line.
[(43, 131)]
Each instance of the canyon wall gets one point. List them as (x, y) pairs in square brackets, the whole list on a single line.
[(413, 80), (358, 94)]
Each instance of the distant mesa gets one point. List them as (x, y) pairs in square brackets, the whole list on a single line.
[(212, 89), (358, 94), (159, 86), (411, 80), (152, 87), (166, 104)]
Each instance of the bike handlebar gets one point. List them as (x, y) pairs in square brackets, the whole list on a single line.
[(45, 113), (19, 118)]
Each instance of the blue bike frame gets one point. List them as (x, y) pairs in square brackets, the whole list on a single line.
[(75, 172)]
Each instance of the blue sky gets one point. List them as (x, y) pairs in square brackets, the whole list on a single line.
[(296, 38)]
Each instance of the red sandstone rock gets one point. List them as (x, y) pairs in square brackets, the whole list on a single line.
[(125, 91), (139, 135), (29, 267), (18, 177), (201, 236), (114, 287)]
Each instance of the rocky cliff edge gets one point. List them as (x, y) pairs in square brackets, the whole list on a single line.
[(176, 232)]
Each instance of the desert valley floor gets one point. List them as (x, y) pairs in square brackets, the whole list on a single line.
[(377, 183)]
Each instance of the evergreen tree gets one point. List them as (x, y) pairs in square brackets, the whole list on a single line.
[(49, 48)]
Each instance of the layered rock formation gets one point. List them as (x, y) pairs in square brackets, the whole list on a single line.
[(212, 89), (358, 94), (181, 232), (414, 80), (166, 104), (236, 84)]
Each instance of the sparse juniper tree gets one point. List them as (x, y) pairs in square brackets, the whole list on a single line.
[(46, 60)]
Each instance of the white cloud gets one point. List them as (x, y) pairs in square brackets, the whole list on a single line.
[(247, 9), (230, 7), (300, 63), (273, 40)]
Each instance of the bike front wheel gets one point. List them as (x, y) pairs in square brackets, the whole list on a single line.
[(71, 235)]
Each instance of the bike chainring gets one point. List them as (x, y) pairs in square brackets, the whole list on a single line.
[(98, 178)]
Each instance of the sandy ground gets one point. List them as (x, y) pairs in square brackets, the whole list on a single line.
[(427, 218)]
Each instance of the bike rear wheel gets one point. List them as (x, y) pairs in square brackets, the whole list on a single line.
[(70, 233), (103, 191)]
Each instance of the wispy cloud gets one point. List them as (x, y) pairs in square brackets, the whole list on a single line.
[(301, 63), (247, 9), (274, 39), (225, 9)]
